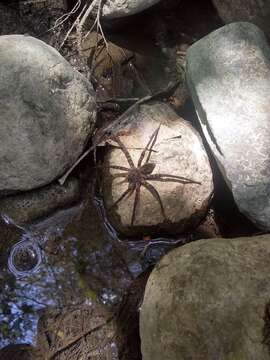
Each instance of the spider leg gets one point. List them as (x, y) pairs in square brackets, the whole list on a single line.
[(124, 149), (129, 192), (167, 178), (123, 181), (118, 167), (155, 194), (115, 176), (136, 203), (151, 143), (112, 167)]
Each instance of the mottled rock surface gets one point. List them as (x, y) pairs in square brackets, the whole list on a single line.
[(178, 151), (255, 11), (228, 73), (113, 9), (47, 113), (206, 300), (29, 206)]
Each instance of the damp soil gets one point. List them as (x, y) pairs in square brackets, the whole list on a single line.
[(77, 269)]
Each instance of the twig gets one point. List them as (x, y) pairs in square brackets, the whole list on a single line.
[(72, 27), (79, 337), (87, 13), (63, 18)]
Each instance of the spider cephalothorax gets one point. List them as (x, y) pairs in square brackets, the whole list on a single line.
[(137, 176)]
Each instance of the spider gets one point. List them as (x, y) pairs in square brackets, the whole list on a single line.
[(137, 176)]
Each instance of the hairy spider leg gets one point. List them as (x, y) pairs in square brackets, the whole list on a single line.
[(136, 203), (173, 178), (155, 194), (151, 143), (128, 192), (124, 149), (123, 168), (116, 167), (154, 142)]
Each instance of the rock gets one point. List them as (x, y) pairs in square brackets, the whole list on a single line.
[(47, 113), (206, 300), (255, 11), (29, 206), (228, 73), (178, 151), (19, 352), (113, 9)]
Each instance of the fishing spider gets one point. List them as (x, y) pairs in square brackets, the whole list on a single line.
[(137, 176)]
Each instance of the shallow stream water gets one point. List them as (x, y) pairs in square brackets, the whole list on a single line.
[(71, 258)]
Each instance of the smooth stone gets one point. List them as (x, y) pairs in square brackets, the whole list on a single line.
[(113, 9), (255, 11), (178, 151), (228, 74), (206, 300), (48, 112), (26, 207)]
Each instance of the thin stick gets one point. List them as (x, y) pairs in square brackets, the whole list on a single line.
[(65, 16), (87, 13), (79, 337), (72, 27)]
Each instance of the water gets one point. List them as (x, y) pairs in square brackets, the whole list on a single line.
[(72, 258)]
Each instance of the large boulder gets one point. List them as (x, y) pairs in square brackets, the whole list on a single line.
[(47, 113), (178, 151), (255, 11), (207, 300), (228, 74)]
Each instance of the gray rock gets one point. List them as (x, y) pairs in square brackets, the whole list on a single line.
[(228, 73), (29, 206), (206, 300), (255, 11), (47, 113), (113, 9), (178, 151)]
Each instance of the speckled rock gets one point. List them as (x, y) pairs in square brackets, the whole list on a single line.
[(178, 151), (29, 206), (206, 300), (255, 11), (113, 9), (47, 113), (228, 73)]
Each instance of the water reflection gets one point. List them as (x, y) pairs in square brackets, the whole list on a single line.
[(25, 258)]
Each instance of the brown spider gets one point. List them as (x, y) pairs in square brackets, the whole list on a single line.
[(137, 176)]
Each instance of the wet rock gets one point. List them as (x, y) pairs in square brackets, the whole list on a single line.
[(255, 11), (178, 151), (228, 73), (29, 206), (206, 300), (19, 352), (47, 113), (113, 9)]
